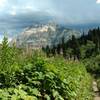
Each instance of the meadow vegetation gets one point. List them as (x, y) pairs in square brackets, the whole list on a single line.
[(38, 77)]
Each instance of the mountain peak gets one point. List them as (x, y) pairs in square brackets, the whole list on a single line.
[(39, 35)]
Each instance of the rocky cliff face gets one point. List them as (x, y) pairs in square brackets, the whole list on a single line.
[(41, 35)]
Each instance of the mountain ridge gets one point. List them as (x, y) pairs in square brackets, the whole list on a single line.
[(40, 35)]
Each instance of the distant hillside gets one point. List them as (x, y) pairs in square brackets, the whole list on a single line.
[(40, 35)]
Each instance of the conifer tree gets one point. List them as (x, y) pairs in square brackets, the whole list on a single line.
[(8, 55), (63, 47), (75, 47), (7, 62), (53, 50), (5, 54), (47, 49), (58, 48)]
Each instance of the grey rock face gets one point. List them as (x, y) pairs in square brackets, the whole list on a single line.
[(42, 35)]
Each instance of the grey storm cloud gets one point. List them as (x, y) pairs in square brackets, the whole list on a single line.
[(22, 20), (18, 14)]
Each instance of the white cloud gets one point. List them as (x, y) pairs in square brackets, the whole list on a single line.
[(13, 13), (14, 7), (2, 3), (13, 10), (29, 7), (98, 1), (21, 9)]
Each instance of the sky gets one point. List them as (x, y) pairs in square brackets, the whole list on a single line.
[(15, 15)]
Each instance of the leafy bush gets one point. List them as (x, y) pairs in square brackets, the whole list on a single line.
[(39, 78), (92, 64), (98, 83), (49, 79), (76, 77)]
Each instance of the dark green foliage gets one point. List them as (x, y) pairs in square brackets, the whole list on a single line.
[(47, 80), (47, 49), (75, 47), (36, 77), (58, 49), (87, 43), (98, 82), (5, 55), (85, 48), (8, 63), (93, 64)]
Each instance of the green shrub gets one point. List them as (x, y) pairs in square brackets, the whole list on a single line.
[(47, 79), (98, 83), (75, 75), (92, 64)]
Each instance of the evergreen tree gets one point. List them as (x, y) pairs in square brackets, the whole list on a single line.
[(8, 55), (58, 48), (47, 49), (53, 50), (63, 47), (5, 55), (7, 61), (82, 39), (75, 47)]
